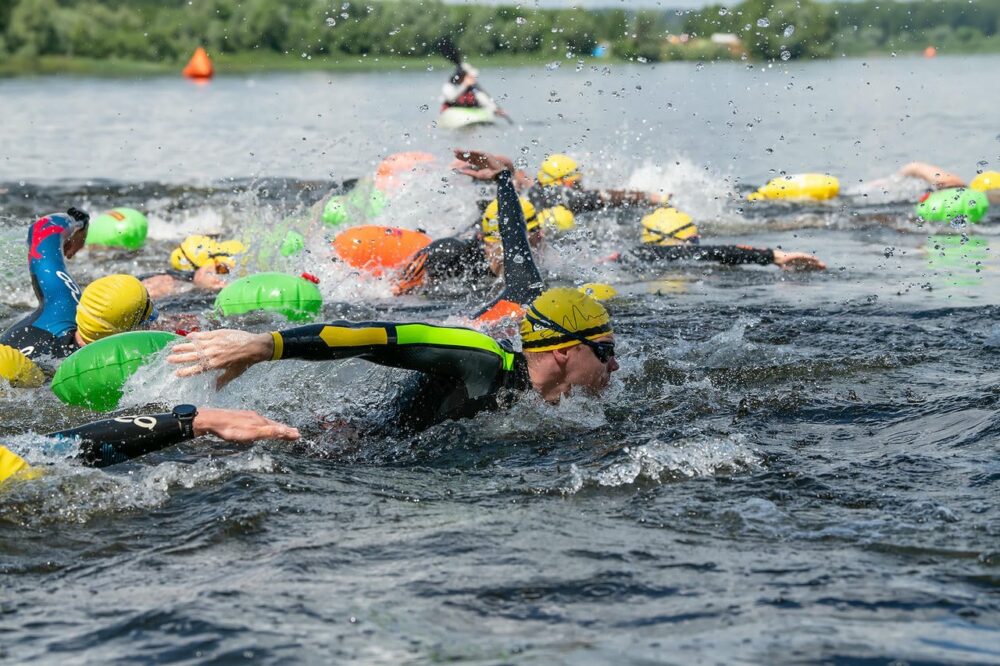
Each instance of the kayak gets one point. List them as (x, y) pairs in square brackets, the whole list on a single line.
[(461, 116)]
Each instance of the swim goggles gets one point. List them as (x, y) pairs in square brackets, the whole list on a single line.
[(604, 351)]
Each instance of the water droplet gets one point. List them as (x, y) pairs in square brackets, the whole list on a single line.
[(520, 20), (330, 21), (424, 107), (723, 11), (769, 151), (785, 55), (958, 222), (552, 66), (789, 31), (982, 163), (763, 23)]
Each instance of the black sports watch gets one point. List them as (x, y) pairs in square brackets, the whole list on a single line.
[(185, 417)]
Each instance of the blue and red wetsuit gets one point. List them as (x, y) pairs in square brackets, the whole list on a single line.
[(49, 330)]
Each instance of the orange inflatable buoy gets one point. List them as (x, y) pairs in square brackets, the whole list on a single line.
[(930, 52), (199, 66), (391, 170), (499, 310), (378, 249)]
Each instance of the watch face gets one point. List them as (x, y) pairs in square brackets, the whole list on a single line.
[(185, 411)]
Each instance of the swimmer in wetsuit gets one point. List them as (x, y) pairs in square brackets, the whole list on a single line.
[(475, 257), (567, 338), (50, 329), (669, 235), (939, 179), (558, 183), (113, 441), (198, 260)]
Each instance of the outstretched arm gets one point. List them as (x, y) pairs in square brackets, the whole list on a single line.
[(437, 350), (934, 175), (730, 255), (116, 440)]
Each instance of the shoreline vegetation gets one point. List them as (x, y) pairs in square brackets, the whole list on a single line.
[(155, 37)]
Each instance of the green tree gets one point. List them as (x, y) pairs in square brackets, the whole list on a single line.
[(31, 31)]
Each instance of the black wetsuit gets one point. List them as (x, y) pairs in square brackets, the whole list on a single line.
[(49, 331), (111, 441), (579, 200), (729, 255), (461, 372)]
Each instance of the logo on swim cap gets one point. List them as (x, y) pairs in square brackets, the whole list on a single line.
[(569, 309), (668, 226)]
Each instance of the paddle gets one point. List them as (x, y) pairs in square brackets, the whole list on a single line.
[(448, 49)]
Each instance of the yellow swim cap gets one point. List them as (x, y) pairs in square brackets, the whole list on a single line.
[(18, 369), (568, 309), (557, 218), (13, 465), (988, 180), (558, 170), (112, 304), (668, 226), (491, 221), (197, 251)]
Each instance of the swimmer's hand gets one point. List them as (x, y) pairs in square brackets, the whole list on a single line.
[(797, 261), (206, 277), (480, 165), (159, 286), (229, 350), (235, 425)]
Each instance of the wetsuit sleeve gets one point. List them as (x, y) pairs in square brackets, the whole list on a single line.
[(522, 281), (462, 353), (723, 254), (113, 441), (187, 276)]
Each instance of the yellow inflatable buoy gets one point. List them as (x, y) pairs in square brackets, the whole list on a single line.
[(800, 187), (13, 466), (988, 180), (18, 369)]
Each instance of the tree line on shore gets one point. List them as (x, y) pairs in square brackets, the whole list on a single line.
[(168, 30)]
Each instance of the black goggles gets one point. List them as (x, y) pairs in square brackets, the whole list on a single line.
[(604, 351)]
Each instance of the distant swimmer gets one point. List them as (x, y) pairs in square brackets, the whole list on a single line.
[(113, 441), (669, 235), (567, 339), (198, 261), (65, 318), (987, 182), (476, 257), (558, 183)]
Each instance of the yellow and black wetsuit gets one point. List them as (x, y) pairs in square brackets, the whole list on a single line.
[(108, 442), (460, 372)]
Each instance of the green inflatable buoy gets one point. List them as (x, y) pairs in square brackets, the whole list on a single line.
[(335, 211), (297, 298), (94, 376), (120, 227), (954, 202), (293, 244), (366, 204)]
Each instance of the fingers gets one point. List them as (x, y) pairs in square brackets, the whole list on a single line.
[(186, 357), (189, 371)]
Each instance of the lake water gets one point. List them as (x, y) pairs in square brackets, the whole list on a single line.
[(788, 468)]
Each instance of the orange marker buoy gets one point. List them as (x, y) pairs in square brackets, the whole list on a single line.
[(391, 171), (377, 249), (930, 52), (199, 67)]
